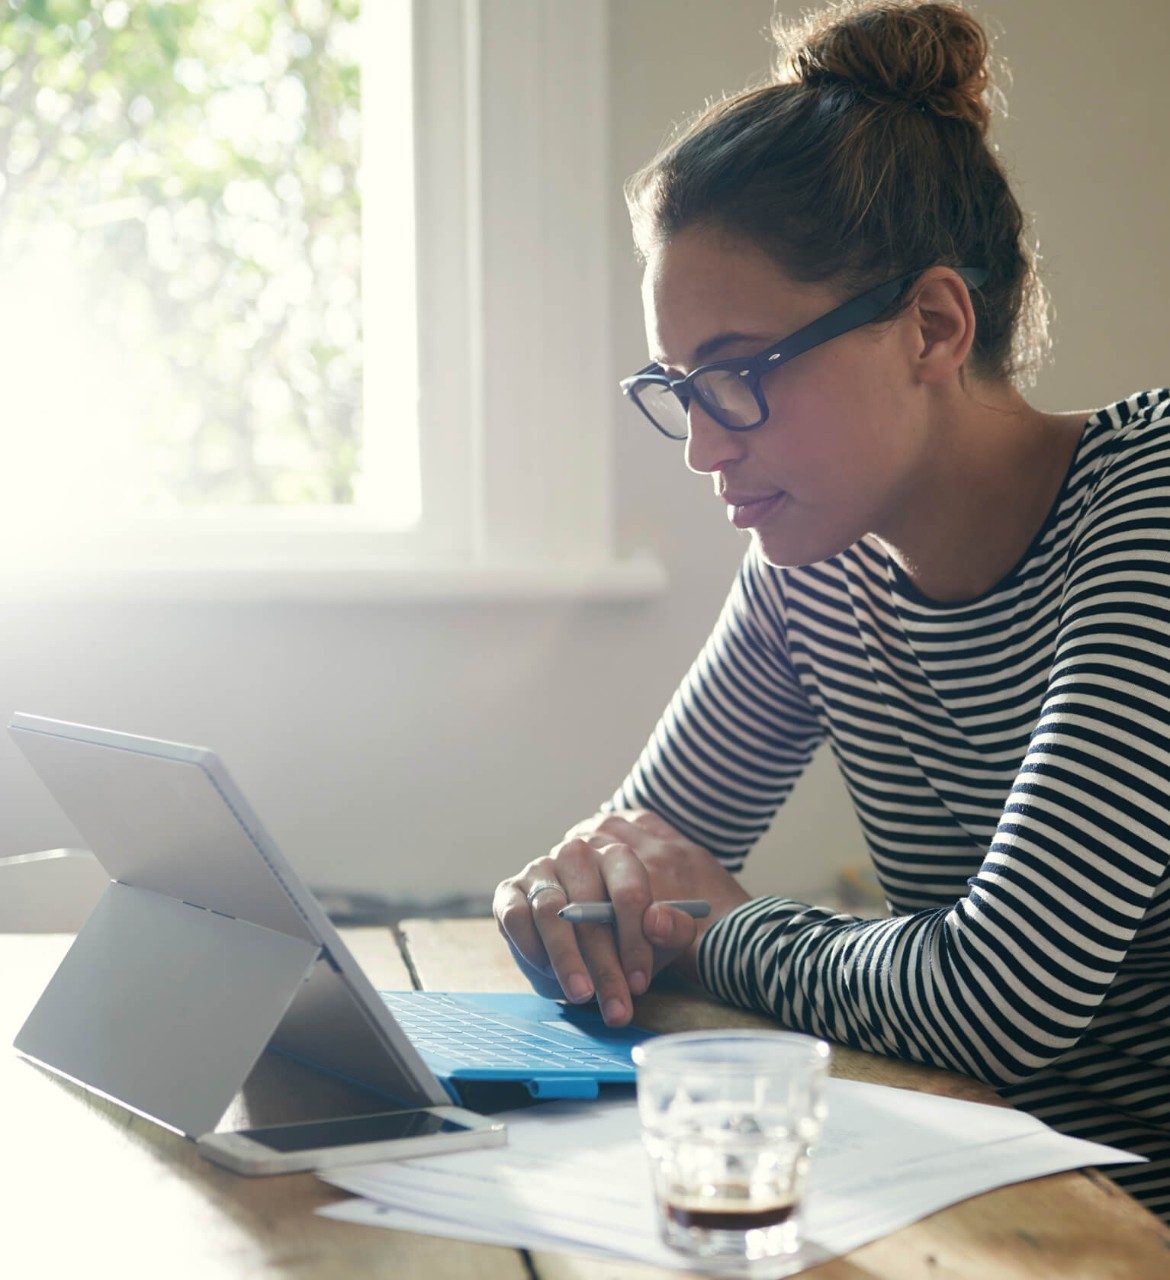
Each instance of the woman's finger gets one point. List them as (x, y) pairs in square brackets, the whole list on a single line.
[(526, 908), (627, 885), (579, 864), (514, 918), (668, 928)]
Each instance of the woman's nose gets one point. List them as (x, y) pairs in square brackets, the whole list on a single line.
[(710, 446)]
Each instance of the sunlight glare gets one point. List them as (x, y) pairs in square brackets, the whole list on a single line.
[(71, 463)]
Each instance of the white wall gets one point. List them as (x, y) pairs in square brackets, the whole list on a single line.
[(427, 750)]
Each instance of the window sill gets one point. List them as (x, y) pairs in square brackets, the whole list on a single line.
[(359, 578)]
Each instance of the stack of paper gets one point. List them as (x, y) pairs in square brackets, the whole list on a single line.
[(574, 1176)]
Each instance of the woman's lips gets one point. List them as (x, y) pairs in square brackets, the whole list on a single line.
[(747, 514)]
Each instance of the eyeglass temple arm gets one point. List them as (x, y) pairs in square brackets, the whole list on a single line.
[(850, 315), (859, 311)]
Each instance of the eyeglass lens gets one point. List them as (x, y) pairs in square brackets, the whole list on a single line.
[(723, 393), (664, 407), (729, 396)]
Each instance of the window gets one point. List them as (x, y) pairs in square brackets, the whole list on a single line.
[(196, 305), (180, 252)]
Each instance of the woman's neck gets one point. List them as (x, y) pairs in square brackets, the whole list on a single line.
[(991, 469)]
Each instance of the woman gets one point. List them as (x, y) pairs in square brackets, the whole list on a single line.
[(965, 597)]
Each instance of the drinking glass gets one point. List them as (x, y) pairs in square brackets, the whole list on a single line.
[(729, 1123)]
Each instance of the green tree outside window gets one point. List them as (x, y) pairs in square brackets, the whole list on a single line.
[(194, 163)]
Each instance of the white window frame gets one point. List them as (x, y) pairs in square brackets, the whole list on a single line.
[(517, 394)]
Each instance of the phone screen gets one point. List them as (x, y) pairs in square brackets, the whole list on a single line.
[(352, 1130)]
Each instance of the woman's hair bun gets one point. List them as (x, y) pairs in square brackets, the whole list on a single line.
[(929, 56)]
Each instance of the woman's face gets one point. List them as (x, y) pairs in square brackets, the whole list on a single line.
[(846, 429)]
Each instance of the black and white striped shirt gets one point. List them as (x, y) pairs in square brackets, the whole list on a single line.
[(1009, 760)]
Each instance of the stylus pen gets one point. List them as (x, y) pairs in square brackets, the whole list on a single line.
[(602, 912)]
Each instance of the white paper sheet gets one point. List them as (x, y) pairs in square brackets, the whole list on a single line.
[(574, 1176)]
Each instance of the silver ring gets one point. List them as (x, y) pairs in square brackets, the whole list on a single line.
[(540, 886)]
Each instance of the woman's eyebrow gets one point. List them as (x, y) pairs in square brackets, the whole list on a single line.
[(710, 346)]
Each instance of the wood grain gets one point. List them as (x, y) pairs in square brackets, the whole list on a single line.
[(1071, 1226)]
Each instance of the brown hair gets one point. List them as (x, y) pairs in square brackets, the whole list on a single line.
[(865, 159)]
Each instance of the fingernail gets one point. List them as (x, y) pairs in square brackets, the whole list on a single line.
[(580, 988), (637, 982), (614, 1010)]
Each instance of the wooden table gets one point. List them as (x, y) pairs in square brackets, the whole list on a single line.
[(89, 1189)]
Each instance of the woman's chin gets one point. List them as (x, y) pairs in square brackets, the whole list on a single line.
[(789, 549)]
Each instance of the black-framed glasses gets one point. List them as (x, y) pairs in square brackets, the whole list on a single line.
[(729, 390)]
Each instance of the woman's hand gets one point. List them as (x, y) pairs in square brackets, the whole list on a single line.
[(635, 859)]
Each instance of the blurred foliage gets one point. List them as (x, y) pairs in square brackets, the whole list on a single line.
[(197, 162)]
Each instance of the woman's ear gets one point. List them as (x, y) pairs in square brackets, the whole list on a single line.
[(944, 325)]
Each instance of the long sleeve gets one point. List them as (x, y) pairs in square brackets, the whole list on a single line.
[(737, 733), (1005, 980)]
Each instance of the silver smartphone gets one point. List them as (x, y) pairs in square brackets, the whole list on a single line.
[(322, 1144)]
